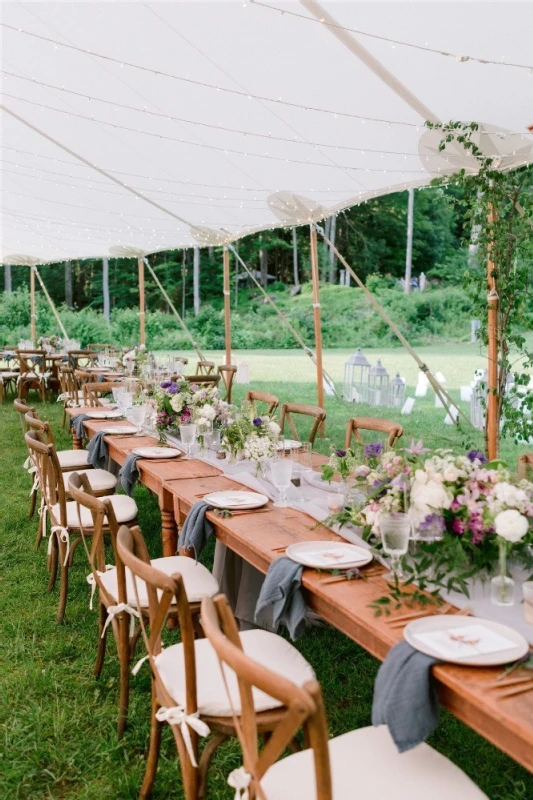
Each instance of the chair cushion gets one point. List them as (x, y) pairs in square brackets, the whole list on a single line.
[(365, 763), (73, 459), (100, 480), (125, 510), (264, 647), (197, 579)]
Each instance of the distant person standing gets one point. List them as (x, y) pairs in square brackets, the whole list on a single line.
[(414, 283)]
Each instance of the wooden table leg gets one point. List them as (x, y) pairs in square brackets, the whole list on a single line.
[(77, 444), (169, 531)]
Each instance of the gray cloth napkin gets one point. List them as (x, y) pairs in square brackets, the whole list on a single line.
[(196, 529), (76, 423), (129, 474), (405, 697), (102, 378), (281, 601), (97, 449)]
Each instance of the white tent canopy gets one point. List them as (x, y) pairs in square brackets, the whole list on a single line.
[(211, 110)]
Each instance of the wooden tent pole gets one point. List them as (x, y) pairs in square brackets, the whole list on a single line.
[(318, 325), (283, 318), (227, 305), (174, 311), (51, 303), (492, 330), (142, 315), (33, 334)]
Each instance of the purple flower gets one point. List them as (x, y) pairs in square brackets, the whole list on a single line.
[(165, 384), (459, 526), (257, 422), (477, 455), (373, 450), (416, 449), (432, 521), (172, 388), (340, 453)]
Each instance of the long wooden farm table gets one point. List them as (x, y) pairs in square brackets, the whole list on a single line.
[(259, 539)]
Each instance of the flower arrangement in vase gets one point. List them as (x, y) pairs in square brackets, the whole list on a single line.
[(179, 402), (52, 344), (251, 437)]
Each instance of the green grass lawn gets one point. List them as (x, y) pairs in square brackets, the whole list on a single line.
[(59, 722)]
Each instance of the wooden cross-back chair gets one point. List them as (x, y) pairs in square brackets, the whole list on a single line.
[(253, 398), (78, 359), (32, 373), (70, 390), (288, 409), (205, 367), (199, 380), (186, 677), (63, 514), (98, 347), (324, 771), (9, 373), (115, 586), (68, 459), (23, 409), (101, 481), (392, 430), (227, 372), (93, 391), (525, 465)]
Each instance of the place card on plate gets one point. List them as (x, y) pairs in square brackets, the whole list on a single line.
[(465, 641)]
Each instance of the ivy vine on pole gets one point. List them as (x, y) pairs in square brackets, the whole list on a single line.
[(498, 206)]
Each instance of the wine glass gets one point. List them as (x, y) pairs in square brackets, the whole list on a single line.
[(117, 391), (188, 432), (395, 531), (281, 473), (138, 414), (124, 401)]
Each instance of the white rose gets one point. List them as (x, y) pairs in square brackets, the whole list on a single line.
[(509, 494), (511, 525), (450, 474), (177, 403), (421, 476), (209, 412), (201, 421), (274, 428)]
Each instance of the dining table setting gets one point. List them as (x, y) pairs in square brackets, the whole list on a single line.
[(284, 556)]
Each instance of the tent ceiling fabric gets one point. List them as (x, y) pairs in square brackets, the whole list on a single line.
[(234, 117)]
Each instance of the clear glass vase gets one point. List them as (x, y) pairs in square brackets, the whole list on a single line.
[(501, 586)]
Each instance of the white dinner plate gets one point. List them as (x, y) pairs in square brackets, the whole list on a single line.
[(236, 500), (118, 431), (509, 644), (328, 555), (104, 413), (288, 444), (95, 369), (157, 452)]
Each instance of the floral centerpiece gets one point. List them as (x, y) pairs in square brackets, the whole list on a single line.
[(136, 358), (52, 344), (251, 436), (467, 515), (178, 402)]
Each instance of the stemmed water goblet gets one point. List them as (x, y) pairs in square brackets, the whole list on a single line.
[(395, 529), (188, 433), (281, 473), (138, 414)]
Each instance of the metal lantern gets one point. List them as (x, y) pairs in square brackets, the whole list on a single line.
[(397, 392), (378, 385), (356, 372), (478, 402)]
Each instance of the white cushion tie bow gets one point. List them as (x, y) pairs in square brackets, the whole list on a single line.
[(138, 664), (176, 716), (112, 611), (63, 535), (35, 486), (92, 583), (240, 780)]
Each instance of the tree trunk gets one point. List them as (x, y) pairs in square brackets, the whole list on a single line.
[(105, 288), (7, 277), (296, 276), (332, 259), (69, 293), (263, 260), (409, 250), (196, 281)]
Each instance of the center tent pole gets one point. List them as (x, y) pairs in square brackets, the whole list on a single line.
[(33, 316), (492, 331), (142, 315), (227, 305), (318, 325)]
